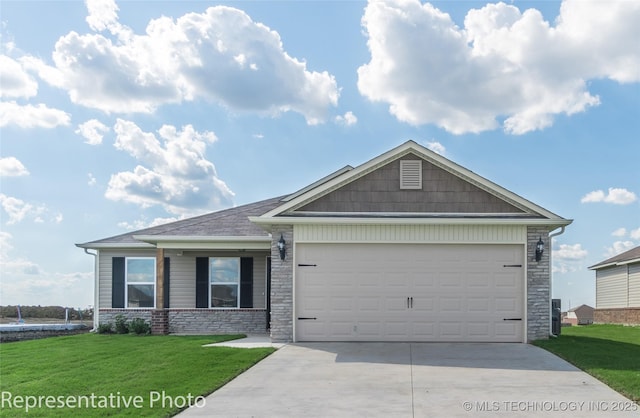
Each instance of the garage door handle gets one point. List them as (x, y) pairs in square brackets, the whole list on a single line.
[(410, 303), (305, 318), (307, 265), (512, 319), (512, 265)]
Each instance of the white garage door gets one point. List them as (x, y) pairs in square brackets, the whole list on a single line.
[(407, 292)]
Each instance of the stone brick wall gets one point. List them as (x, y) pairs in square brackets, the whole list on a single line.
[(538, 286), (282, 286), (217, 321), (197, 321), (109, 315), (6, 337), (626, 316)]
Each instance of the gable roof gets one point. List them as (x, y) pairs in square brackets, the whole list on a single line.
[(523, 210), (226, 225), (627, 257), (242, 226)]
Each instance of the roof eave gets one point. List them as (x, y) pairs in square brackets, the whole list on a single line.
[(614, 264), (280, 220), (262, 242), (121, 245)]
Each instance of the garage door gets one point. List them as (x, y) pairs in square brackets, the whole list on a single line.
[(406, 292)]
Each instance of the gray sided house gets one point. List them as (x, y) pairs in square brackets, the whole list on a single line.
[(408, 246), (618, 289)]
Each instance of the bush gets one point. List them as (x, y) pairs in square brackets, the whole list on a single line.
[(139, 326), (121, 325), (105, 328)]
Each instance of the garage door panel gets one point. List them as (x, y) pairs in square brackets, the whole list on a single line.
[(398, 292)]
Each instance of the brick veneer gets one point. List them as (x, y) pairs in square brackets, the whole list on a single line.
[(538, 286), (627, 316), (159, 321), (282, 286), (196, 321)]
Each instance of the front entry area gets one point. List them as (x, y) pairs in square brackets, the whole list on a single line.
[(410, 292)]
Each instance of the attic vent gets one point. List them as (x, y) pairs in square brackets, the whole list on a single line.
[(411, 174)]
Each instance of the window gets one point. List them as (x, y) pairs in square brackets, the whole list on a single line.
[(224, 280), (140, 286)]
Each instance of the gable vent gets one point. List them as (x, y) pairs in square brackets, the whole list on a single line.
[(411, 174)]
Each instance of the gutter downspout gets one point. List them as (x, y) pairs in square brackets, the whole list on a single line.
[(550, 278), (96, 295)]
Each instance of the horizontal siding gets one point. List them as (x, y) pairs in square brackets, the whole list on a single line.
[(611, 288), (182, 288), (634, 286), (503, 234)]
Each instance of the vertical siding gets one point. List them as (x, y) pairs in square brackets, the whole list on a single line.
[(503, 234), (183, 282), (634, 286), (182, 288), (611, 287)]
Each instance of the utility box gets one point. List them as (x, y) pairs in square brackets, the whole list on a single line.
[(556, 316)]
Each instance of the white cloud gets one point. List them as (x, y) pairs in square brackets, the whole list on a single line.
[(30, 116), (15, 81), (436, 147), (92, 180), (619, 247), (31, 284), (12, 167), (503, 64), (620, 232), (569, 252), (18, 210), (93, 131), (175, 174), (635, 234), (348, 119), (615, 196), (568, 258), (220, 55)]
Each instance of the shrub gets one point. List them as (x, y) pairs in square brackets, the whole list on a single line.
[(121, 325), (105, 328), (139, 326)]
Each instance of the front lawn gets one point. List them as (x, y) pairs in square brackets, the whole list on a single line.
[(109, 375), (610, 353)]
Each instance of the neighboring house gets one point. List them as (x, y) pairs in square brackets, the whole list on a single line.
[(408, 246), (618, 289), (582, 315)]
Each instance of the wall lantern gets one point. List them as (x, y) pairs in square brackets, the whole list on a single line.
[(282, 248), (539, 249)]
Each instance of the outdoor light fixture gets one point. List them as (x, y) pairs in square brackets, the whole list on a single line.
[(539, 249), (282, 248)]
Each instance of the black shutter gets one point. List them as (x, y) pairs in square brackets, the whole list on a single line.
[(246, 282), (202, 282), (117, 282), (166, 279)]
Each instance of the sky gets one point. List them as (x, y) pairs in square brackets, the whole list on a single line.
[(119, 116)]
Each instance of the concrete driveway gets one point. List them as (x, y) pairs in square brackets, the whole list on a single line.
[(413, 380)]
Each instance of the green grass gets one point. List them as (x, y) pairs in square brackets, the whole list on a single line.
[(610, 353), (117, 367)]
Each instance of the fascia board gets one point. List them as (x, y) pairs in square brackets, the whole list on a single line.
[(207, 242), (113, 245), (288, 220)]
